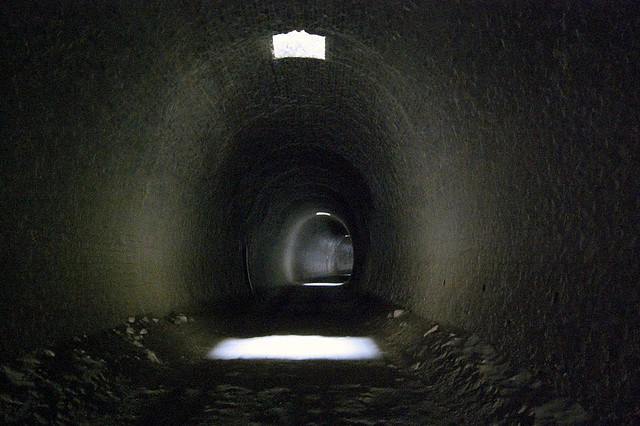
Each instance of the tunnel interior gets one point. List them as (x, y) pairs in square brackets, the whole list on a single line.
[(315, 248), (477, 165), (310, 207)]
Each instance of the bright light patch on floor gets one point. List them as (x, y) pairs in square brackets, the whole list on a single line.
[(296, 348), (322, 284), (298, 44), (323, 214)]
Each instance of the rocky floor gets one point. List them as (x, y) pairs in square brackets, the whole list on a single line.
[(155, 371)]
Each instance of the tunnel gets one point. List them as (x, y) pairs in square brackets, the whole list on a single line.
[(469, 164)]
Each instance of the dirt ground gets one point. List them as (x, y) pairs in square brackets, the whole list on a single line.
[(156, 371)]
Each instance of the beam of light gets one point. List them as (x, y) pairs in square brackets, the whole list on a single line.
[(322, 284), (323, 214), (293, 347), (298, 44)]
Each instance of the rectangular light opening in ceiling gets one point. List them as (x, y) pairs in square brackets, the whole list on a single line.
[(298, 44), (296, 347)]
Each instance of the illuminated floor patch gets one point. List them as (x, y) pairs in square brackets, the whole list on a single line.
[(296, 348), (323, 284)]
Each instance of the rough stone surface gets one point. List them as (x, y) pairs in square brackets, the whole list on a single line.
[(107, 379)]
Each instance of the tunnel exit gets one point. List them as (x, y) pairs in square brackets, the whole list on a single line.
[(311, 247), (319, 251)]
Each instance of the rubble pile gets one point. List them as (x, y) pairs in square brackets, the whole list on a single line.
[(470, 371), (134, 332), (46, 387), (86, 376)]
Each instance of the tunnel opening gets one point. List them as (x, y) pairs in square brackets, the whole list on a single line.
[(285, 241), (298, 44), (300, 248), (319, 251)]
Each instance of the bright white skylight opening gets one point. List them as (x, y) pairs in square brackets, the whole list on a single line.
[(298, 44), (296, 348), (323, 214)]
